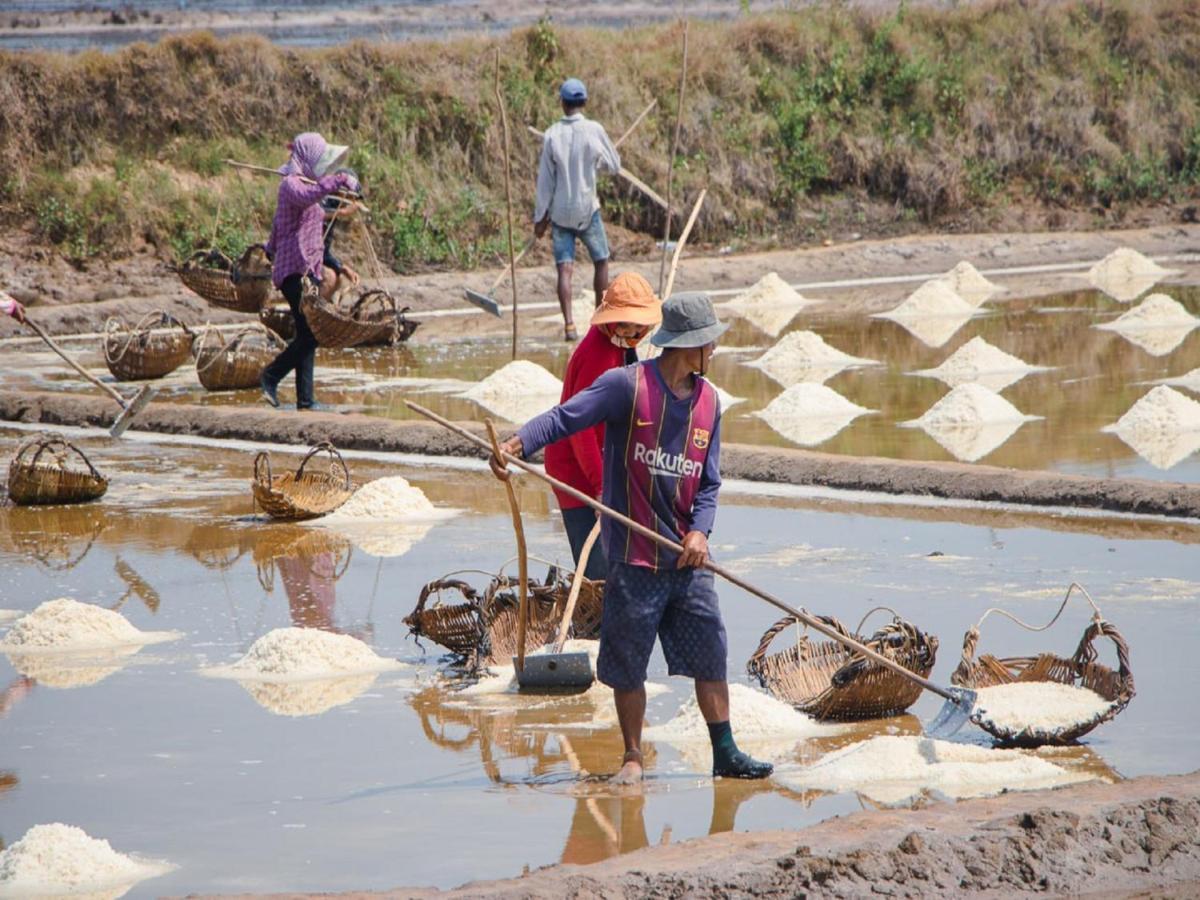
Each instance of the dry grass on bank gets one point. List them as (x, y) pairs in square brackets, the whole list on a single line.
[(932, 115)]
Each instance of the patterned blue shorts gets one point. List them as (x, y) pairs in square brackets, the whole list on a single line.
[(677, 605), (593, 238)]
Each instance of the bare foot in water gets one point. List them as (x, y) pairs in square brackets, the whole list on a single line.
[(631, 770)]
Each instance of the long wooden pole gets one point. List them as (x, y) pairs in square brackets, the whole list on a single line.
[(636, 122), (679, 244), (522, 556), (512, 258), (662, 268)]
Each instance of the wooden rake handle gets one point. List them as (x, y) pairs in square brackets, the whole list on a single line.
[(576, 584), (522, 554)]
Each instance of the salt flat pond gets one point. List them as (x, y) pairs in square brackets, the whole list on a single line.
[(404, 782)]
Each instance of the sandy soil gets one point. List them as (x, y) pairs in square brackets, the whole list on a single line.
[(71, 301), (1136, 838), (766, 464)]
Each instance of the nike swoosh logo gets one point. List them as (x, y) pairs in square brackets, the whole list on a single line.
[(641, 424)]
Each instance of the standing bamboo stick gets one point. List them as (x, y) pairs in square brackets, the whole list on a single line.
[(512, 261), (687, 230), (662, 268), (636, 122)]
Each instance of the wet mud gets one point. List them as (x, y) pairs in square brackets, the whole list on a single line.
[(951, 481)]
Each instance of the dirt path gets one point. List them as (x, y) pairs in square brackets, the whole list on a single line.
[(1136, 838), (75, 302)]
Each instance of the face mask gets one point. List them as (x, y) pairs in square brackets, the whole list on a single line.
[(622, 342)]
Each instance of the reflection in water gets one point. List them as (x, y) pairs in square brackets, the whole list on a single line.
[(135, 586), (72, 670), (971, 443), (58, 537)]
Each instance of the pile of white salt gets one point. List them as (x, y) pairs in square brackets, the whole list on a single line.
[(894, 769), (517, 391), (385, 517), (970, 422), (1190, 381), (1126, 274), (61, 860), (967, 282), (1163, 427), (982, 363), (805, 356), (1039, 707), (810, 414), (68, 625), (933, 313), (769, 304), (1158, 324)]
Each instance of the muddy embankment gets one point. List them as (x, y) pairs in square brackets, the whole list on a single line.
[(952, 481), (1139, 838)]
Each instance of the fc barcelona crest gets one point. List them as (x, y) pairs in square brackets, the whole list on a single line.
[(700, 438)]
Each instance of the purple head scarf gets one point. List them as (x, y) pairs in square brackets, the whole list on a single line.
[(307, 149)]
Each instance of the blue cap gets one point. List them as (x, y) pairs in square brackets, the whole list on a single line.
[(573, 91)]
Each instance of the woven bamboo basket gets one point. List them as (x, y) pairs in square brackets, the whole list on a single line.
[(826, 680), (243, 286), (43, 473), (306, 494), (141, 352), (278, 318), (394, 327), (454, 625), (238, 362), (372, 317), (1079, 670)]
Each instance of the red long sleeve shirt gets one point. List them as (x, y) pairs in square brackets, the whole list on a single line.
[(579, 460)]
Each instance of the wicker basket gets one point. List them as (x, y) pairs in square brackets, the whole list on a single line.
[(454, 625), (371, 318), (42, 474), (140, 352), (306, 494), (278, 318), (1080, 670), (282, 541), (394, 327), (243, 286), (827, 680), (237, 363)]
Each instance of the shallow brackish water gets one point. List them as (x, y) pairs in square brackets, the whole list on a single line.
[(1096, 376), (387, 788)]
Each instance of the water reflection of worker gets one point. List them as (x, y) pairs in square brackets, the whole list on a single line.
[(16, 691), (603, 827), (309, 582), (630, 309)]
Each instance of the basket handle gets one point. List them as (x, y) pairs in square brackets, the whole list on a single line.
[(375, 295), (871, 612), (45, 442), (335, 457), (971, 638), (1086, 653), (263, 461), (757, 657)]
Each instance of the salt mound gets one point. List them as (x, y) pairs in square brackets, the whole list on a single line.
[(66, 624), (58, 860), (979, 362), (810, 414), (1126, 274), (297, 654), (726, 399), (1039, 707), (971, 443), (756, 716), (894, 769), (383, 500), (932, 313), (517, 391), (1190, 381), (72, 670), (970, 404), (804, 356), (307, 698), (1158, 324), (966, 281), (1163, 427), (769, 304)]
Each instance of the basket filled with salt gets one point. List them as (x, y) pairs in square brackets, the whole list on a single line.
[(826, 680), (51, 470), (306, 494), (236, 363), (1029, 701), (156, 346)]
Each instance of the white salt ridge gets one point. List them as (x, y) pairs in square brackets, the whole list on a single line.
[(1039, 707), (61, 860), (893, 769), (1158, 324), (1126, 274), (297, 699), (966, 281), (810, 414), (979, 362), (933, 313), (517, 391), (970, 422), (755, 716), (385, 517), (1190, 381), (804, 356), (726, 399), (68, 625), (1163, 427), (298, 654), (769, 304)]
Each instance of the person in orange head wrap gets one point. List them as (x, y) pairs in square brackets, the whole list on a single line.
[(628, 312)]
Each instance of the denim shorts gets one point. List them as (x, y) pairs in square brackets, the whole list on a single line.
[(593, 238), (679, 606)]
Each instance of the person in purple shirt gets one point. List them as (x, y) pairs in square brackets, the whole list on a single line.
[(662, 448), (297, 248)]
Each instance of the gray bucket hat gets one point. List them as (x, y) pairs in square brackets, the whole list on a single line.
[(688, 320)]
